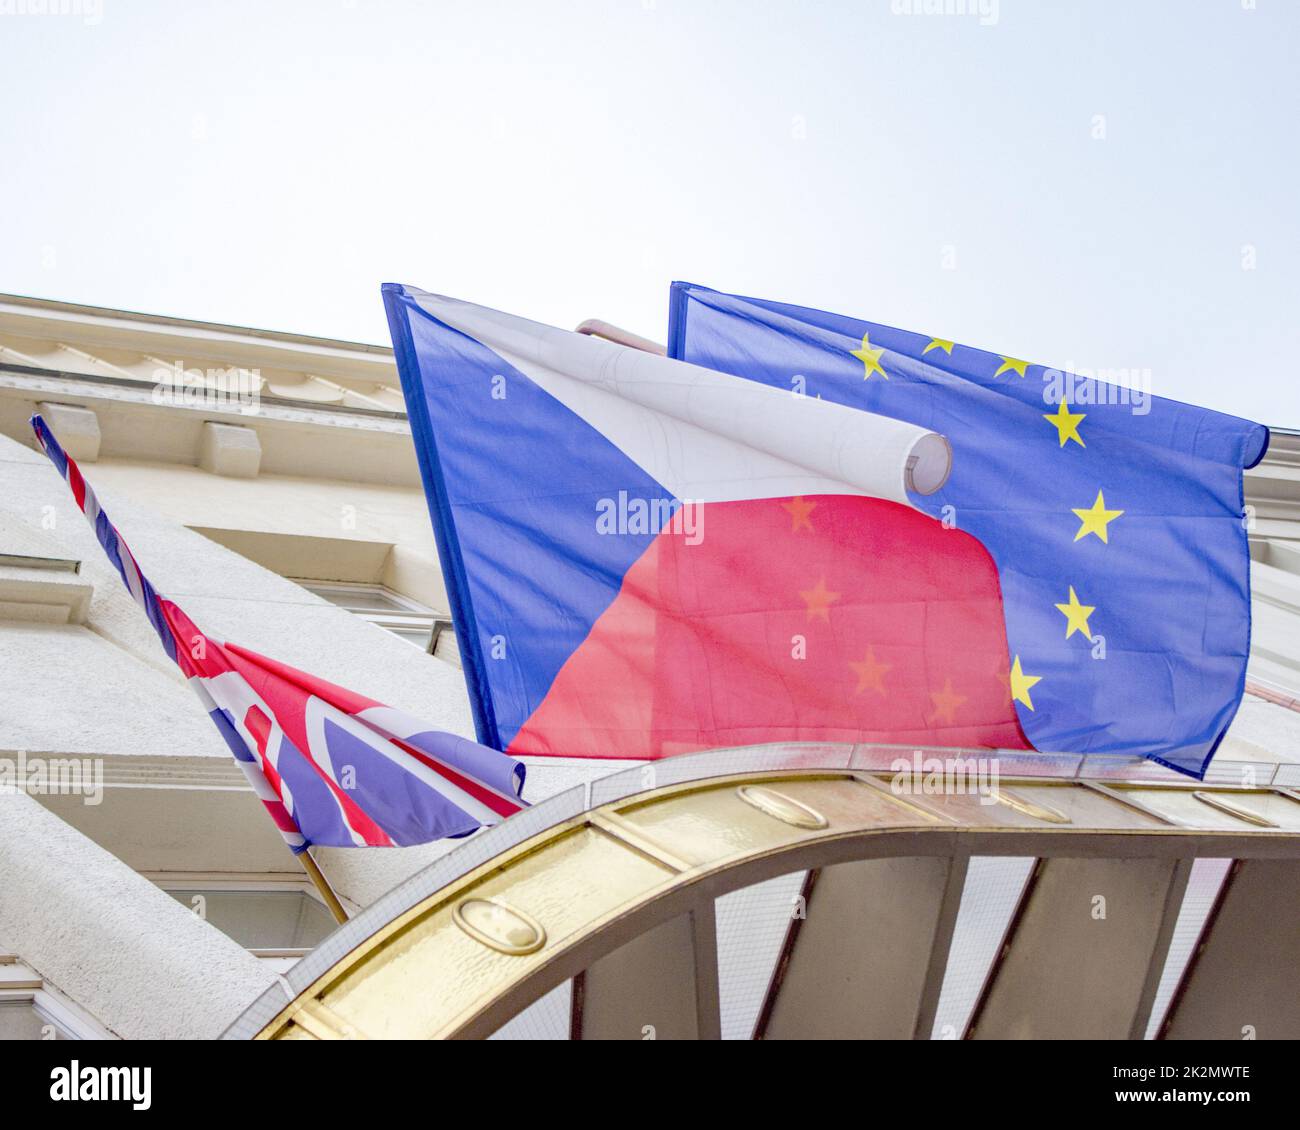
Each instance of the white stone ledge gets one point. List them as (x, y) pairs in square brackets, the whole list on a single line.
[(43, 596), (77, 429), (230, 449)]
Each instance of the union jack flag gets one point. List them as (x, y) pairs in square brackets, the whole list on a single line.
[(332, 767)]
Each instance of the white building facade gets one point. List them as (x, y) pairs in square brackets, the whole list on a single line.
[(267, 483)]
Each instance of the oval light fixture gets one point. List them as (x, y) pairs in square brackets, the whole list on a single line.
[(499, 926), (784, 808)]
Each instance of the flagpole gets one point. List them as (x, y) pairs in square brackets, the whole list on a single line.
[(317, 876)]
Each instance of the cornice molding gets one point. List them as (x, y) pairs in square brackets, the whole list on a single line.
[(127, 771)]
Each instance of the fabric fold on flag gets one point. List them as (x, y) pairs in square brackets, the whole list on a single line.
[(866, 453), (1115, 518), (332, 767)]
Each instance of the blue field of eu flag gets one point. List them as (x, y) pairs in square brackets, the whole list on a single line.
[(1116, 519)]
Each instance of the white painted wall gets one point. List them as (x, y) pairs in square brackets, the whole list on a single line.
[(341, 514)]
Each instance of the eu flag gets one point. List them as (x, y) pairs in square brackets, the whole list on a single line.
[(1115, 518)]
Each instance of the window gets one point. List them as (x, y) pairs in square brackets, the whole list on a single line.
[(22, 1020), (275, 918), (270, 923), (32, 1010), (412, 621)]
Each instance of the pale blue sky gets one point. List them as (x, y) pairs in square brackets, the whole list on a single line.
[(270, 164)]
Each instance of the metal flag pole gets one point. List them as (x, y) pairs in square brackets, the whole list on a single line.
[(317, 876)]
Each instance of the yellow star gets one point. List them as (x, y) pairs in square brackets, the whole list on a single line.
[(945, 702), (819, 600), (1020, 684), (1095, 519), (1012, 363), (938, 343), (799, 510), (1076, 616), (870, 359), (1066, 423), (870, 673)]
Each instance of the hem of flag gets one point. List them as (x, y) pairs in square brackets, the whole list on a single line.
[(398, 307)]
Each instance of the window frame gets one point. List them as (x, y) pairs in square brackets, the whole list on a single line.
[(21, 983), (412, 615), (203, 882)]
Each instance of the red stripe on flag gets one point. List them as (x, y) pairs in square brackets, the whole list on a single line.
[(259, 725), (76, 482), (348, 701), (210, 660), (502, 806), (283, 821)]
